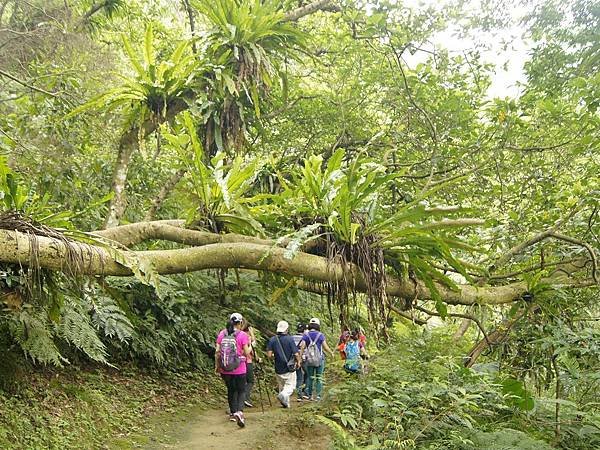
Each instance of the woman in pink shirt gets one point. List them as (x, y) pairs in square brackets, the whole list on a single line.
[(233, 347)]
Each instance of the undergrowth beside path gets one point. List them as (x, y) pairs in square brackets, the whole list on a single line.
[(96, 408)]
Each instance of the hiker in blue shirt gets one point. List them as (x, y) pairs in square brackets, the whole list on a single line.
[(287, 360), (312, 346)]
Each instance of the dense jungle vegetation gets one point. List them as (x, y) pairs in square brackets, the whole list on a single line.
[(165, 163)]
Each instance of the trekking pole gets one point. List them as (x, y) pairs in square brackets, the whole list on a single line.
[(261, 381), (268, 393), (260, 394)]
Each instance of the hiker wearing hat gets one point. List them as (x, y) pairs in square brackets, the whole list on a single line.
[(312, 346), (287, 360), (233, 347)]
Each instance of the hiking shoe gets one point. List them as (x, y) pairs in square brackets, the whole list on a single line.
[(248, 404), (318, 399), (285, 401), (306, 396), (299, 398), (239, 418), (232, 418)]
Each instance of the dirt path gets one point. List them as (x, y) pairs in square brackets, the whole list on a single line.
[(276, 429)]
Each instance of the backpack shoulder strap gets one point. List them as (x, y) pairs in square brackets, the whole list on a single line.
[(280, 346)]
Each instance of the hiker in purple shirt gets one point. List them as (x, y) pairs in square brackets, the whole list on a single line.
[(312, 346)]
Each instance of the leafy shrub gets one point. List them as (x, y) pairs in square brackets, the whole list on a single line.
[(417, 395), (506, 439)]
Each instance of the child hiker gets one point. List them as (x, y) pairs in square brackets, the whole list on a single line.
[(355, 351)]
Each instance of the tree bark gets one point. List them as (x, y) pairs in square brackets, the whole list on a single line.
[(116, 207), (500, 334), (164, 193), (174, 231), (190, 13), (462, 329), (127, 145), (93, 10), (54, 254), (307, 10)]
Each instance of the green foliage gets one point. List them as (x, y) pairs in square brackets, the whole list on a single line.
[(90, 408), (155, 87), (246, 44), (417, 395), (505, 439), (395, 139), (519, 396), (348, 199), (218, 193)]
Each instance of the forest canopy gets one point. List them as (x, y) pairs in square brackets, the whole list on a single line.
[(300, 140), (164, 162)]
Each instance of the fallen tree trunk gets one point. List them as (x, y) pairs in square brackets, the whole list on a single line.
[(55, 254)]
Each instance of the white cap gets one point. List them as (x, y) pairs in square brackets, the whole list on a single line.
[(315, 320), (236, 317), (282, 326)]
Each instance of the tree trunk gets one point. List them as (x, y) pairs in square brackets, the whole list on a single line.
[(190, 13), (164, 193), (306, 10), (78, 257), (500, 334), (462, 329), (116, 207), (127, 146)]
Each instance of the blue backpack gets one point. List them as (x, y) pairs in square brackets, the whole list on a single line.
[(353, 362)]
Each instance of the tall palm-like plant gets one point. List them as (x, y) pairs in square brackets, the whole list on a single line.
[(156, 89), (246, 44)]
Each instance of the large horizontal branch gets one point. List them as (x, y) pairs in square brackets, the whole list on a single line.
[(54, 254), (173, 231)]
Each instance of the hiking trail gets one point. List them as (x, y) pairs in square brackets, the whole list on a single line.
[(275, 429)]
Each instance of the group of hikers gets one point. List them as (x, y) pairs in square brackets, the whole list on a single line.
[(299, 361)]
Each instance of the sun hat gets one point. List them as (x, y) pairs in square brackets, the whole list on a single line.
[(236, 317), (282, 326)]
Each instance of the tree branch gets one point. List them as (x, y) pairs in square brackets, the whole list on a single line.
[(164, 192), (408, 316), (173, 231), (54, 254), (464, 316), (27, 85), (319, 5), (550, 233)]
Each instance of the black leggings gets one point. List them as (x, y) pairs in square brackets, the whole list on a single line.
[(236, 390), (249, 380)]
